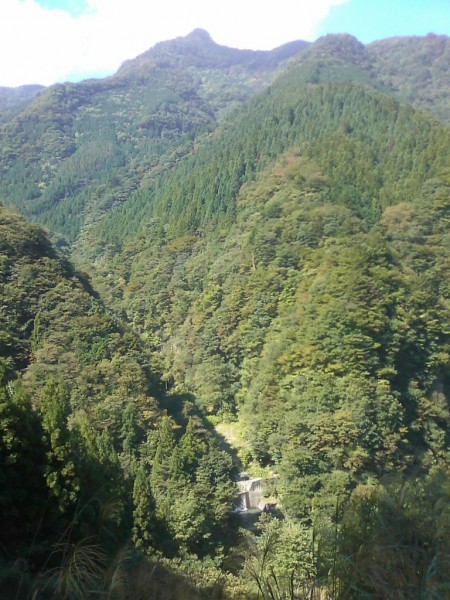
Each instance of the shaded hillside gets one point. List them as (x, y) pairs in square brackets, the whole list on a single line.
[(89, 458)]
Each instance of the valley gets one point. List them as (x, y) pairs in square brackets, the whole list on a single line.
[(217, 262)]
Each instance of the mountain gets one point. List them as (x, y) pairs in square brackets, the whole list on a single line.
[(198, 51), (81, 421), (221, 279), (77, 151), (291, 274), (80, 149), (416, 69), (13, 100), (10, 96), (264, 237)]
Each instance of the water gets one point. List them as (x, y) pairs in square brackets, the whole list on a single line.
[(249, 518)]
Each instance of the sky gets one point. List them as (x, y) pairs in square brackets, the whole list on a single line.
[(48, 41)]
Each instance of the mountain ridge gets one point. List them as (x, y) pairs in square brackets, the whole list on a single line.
[(200, 46)]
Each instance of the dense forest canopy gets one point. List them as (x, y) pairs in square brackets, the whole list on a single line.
[(245, 267)]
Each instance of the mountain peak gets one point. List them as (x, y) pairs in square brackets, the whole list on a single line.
[(199, 34), (199, 50), (342, 47)]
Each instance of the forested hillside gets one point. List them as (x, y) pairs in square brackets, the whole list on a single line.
[(81, 149), (416, 69), (91, 460), (265, 242)]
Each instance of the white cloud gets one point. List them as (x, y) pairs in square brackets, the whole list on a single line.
[(39, 45)]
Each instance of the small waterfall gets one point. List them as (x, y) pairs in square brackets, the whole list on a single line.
[(251, 491), (242, 503)]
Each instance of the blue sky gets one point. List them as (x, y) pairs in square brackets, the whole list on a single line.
[(368, 20), (73, 7), (44, 41)]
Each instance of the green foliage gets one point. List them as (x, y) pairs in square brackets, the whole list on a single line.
[(61, 472), (144, 508), (415, 68), (86, 451), (191, 484), (284, 265), (79, 150), (23, 463), (280, 562), (394, 541)]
